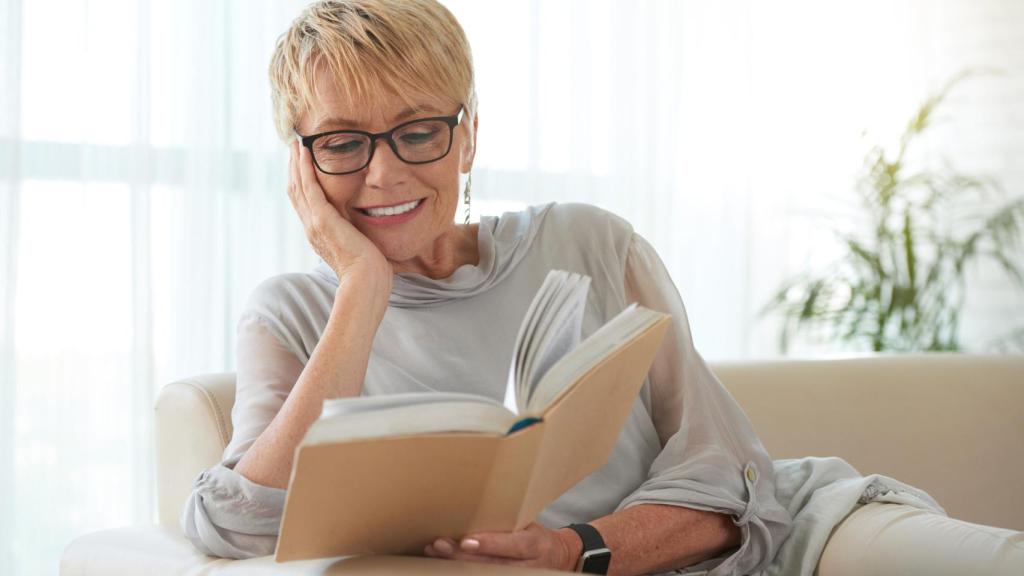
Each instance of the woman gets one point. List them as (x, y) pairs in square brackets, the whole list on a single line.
[(377, 102)]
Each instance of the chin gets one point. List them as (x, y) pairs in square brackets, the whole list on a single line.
[(396, 253)]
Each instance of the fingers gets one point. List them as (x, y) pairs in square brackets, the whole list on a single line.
[(295, 194), (520, 544), (448, 548), (311, 189)]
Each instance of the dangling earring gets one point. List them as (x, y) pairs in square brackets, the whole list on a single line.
[(465, 195)]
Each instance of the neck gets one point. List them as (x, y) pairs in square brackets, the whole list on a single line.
[(451, 250)]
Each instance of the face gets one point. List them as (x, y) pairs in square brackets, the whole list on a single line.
[(423, 235)]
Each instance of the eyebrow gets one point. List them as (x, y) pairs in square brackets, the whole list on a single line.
[(404, 114)]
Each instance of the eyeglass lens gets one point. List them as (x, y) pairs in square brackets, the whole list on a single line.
[(424, 141)]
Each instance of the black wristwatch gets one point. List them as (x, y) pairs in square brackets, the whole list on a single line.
[(596, 557)]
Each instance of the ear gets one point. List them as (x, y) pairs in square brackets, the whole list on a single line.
[(468, 152)]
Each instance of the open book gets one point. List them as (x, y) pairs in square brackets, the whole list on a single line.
[(390, 474)]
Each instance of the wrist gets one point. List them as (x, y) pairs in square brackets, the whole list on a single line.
[(365, 280), (366, 271), (365, 292), (572, 547)]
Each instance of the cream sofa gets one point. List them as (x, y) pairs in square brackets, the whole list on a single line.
[(950, 424)]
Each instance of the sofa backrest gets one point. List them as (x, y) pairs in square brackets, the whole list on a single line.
[(950, 424)]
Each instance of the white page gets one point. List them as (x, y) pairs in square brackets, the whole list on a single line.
[(412, 419), (358, 404), (511, 403), (547, 299), (616, 333), (545, 318), (544, 294), (561, 335)]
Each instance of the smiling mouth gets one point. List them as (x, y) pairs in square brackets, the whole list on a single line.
[(393, 210)]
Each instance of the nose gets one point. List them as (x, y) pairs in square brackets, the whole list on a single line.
[(385, 170)]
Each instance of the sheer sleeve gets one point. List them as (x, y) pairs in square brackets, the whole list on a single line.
[(711, 459), (226, 514)]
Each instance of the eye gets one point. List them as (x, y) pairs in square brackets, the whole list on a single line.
[(340, 144), (420, 137)]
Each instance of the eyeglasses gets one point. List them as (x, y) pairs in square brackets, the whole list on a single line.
[(415, 142)]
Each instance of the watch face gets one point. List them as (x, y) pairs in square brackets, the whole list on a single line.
[(597, 561)]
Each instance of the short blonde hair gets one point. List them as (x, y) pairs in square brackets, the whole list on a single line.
[(408, 47)]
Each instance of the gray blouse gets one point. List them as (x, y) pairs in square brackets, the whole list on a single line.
[(686, 442)]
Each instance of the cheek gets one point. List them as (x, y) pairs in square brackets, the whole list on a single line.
[(446, 182), (338, 191)]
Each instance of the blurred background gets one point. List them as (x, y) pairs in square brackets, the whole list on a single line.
[(142, 193)]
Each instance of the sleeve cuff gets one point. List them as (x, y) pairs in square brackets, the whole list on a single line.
[(228, 515), (763, 522), (234, 502)]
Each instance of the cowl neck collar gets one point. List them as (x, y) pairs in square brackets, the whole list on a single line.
[(502, 241)]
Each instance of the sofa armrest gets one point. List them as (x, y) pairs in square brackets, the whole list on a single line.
[(193, 426)]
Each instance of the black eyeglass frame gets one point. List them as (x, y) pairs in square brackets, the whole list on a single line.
[(452, 121)]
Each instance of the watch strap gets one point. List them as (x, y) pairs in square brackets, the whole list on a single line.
[(596, 556)]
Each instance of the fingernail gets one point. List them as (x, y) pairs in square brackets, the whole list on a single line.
[(470, 544), (443, 547)]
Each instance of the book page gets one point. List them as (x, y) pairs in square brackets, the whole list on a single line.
[(405, 414), (558, 334), (550, 330), (537, 331), (619, 330), (356, 404), (527, 330)]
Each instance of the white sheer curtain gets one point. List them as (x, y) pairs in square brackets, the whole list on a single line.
[(142, 186), (729, 133), (142, 200)]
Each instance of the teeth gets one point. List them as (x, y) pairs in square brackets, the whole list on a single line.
[(393, 210)]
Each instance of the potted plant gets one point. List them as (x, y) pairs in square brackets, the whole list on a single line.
[(901, 282)]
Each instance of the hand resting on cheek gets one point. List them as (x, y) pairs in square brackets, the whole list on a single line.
[(352, 256)]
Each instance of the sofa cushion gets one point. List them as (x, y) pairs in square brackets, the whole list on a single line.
[(130, 551), (162, 551)]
